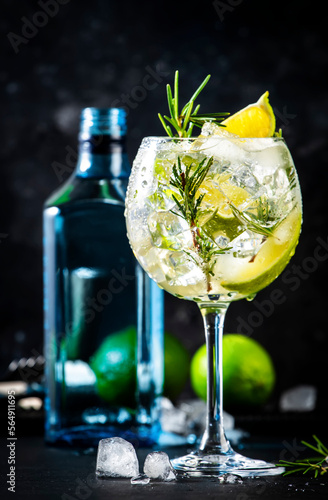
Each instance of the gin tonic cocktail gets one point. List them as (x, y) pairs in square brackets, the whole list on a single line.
[(213, 220)]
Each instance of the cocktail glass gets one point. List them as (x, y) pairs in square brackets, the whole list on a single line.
[(213, 220)]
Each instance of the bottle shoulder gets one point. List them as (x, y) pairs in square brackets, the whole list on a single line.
[(78, 189)]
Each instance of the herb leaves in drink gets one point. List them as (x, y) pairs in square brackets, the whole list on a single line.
[(251, 222), (188, 184), (188, 181)]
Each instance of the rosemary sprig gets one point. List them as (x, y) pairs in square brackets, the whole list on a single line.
[(188, 181), (188, 184), (184, 121), (318, 465), (251, 222)]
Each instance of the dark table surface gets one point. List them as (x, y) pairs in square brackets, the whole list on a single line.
[(44, 472)]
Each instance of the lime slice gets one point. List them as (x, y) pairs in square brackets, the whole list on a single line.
[(249, 276), (256, 120), (216, 217), (219, 193)]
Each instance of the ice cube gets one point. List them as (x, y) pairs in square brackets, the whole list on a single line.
[(140, 479), (149, 258), (136, 221), (178, 264), (158, 466), (181, 270), (273, 168), (173, 419), (228, 421), (161, 200), (222, 241), (230, 479), (188, 416), (268, 159), (280, 181), (116, 458), (211, 128), (281, 191), (247, 244), (243, 176), (189, 419), (165, 228), (196, 411), (228, 152), (269, 168), (225, 147), (300, 398)]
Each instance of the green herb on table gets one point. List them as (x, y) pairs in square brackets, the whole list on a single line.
[(183, 121), (317, 465)]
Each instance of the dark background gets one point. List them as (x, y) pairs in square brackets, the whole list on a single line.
[(98, 54)]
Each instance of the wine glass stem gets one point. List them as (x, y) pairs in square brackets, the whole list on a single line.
[(214, 440)]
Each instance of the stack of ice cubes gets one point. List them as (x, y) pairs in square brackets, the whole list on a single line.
[(117, 458)]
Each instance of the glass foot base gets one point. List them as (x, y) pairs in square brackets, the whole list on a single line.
[(198, 464)]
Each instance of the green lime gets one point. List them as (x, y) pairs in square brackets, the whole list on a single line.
[(176, 366), (248, 372), (114, 364)]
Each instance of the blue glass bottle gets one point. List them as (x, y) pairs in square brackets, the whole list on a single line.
[(91, 284)]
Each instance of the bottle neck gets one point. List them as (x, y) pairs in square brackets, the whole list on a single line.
[(102, 157), (102, 151)]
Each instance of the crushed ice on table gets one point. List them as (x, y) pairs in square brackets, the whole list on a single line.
[(190, 418), (116, 458), (140, 479), (172, 419), (299, 398), (190, 414), (158, 466), (230, 479)]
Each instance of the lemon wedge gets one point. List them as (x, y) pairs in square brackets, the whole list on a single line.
[(256, 120)]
